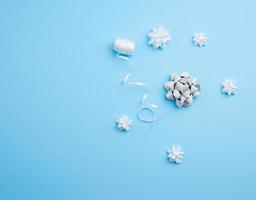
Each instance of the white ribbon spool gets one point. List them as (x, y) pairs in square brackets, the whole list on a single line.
[(124, 46)]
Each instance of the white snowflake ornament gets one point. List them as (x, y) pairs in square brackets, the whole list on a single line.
[(175, 154), (159, 37), (200, 39), (124, 123), (229, 86)]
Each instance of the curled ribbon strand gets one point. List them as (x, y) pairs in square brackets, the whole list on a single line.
[(150, 107)]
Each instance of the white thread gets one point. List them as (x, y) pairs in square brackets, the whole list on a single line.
[(121, 56), (145, 106), (145, 118), (153, 105)]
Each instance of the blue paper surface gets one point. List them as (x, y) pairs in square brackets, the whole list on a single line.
[(61, 92)]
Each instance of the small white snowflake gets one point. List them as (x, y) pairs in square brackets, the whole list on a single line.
[(200, 39), (124, 123), (229, 86), (159, 37), (175, 154)]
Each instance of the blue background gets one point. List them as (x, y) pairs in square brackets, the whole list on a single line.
[(61, 94)]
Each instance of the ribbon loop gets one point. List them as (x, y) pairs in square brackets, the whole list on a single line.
[(146, 107)]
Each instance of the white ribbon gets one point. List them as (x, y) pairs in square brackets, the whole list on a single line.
[(145, 106)]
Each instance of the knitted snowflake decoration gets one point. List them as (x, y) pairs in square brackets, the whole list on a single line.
[(175, 154), (200, 39), (124, 123), (229, 86), (159, 37)]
